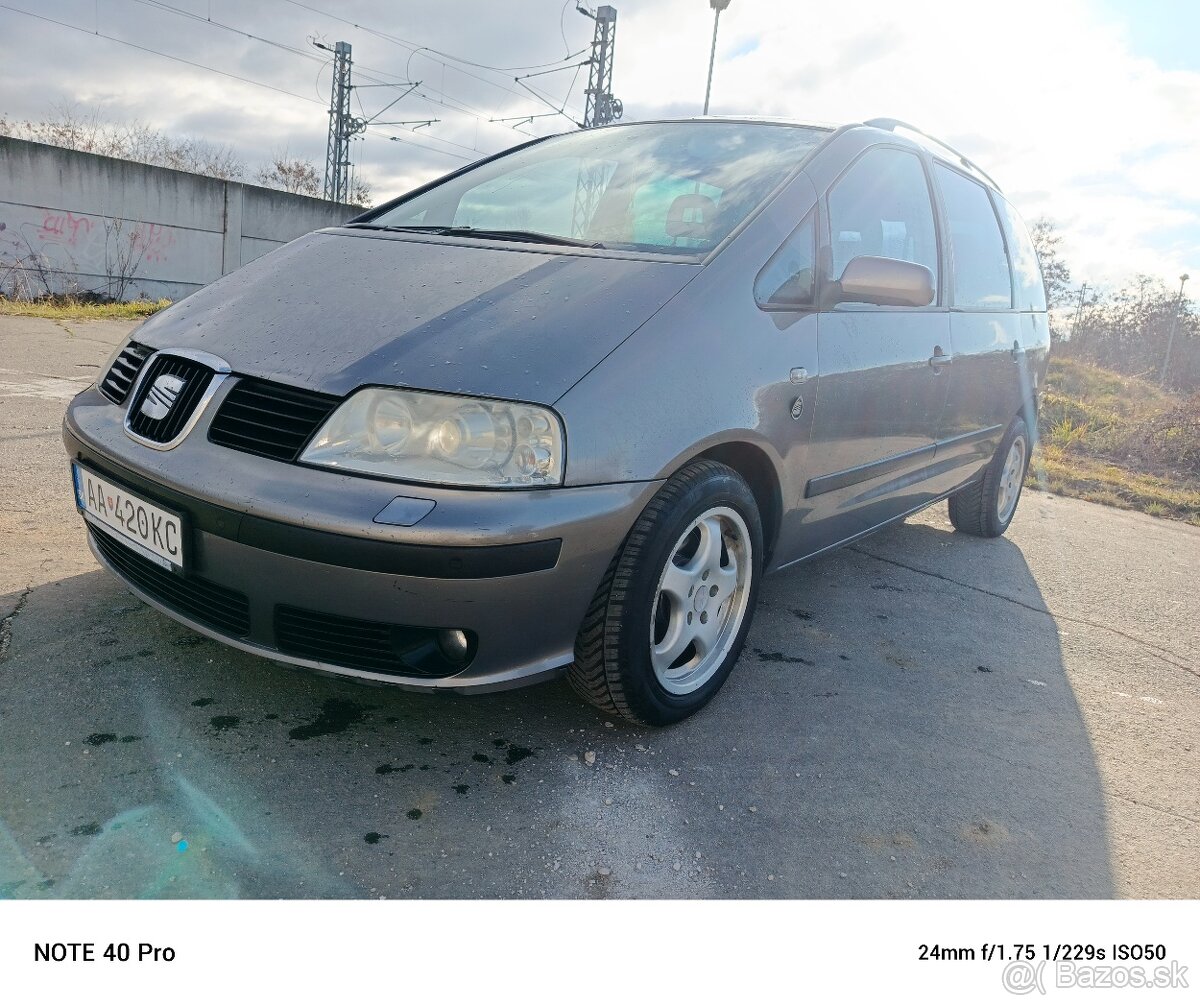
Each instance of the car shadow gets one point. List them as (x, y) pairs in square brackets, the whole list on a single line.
[(900, 725)]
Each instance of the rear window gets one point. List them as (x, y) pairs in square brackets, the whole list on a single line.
[(678, 187)]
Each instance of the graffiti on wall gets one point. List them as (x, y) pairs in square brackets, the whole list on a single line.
[(56, 251)]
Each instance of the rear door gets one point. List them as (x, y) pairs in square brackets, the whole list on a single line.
[(880, 389), (985, 331)]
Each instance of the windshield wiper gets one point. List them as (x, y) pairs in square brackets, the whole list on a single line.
[(524, 236)]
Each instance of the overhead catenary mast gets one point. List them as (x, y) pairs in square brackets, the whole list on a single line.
[(342, 126), (601, 109)]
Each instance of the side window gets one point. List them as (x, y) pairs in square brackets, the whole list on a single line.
[(981, 277), (881, 207), (789, 278), (1031, 292)]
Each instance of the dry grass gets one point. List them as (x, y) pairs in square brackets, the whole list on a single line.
[(71, 309), (1118, 440)]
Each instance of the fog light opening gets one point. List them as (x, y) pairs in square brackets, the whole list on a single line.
[(454, 644)]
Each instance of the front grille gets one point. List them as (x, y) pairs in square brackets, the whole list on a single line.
[(271, 420), (362, 645), (215, 606), (196, 378), (117, 382)]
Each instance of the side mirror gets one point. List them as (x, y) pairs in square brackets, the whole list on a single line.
[(887, 282)]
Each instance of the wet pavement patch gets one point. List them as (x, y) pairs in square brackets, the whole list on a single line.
[(517, 754), (87, 830), (481, 758), (201, 702), (391, 769), (414, 814), (336, 716), (462, 790), (776, 657), (803, 615), (99, 739), (374, 837), (508, 779), (220, 723)]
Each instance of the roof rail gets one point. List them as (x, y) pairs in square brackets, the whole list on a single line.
[(891, 125)]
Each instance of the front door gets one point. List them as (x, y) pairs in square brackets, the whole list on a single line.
[(883, 373)]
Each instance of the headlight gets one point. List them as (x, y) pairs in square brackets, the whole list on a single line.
[(441, 438)]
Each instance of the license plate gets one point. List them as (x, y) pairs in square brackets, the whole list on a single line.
[(150, 530)]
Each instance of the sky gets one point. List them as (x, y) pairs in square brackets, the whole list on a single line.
[(1084, 111)]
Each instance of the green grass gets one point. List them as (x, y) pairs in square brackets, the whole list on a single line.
[(1118, 440), (71, 309)]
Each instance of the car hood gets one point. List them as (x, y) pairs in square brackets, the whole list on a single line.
[(336, 310)]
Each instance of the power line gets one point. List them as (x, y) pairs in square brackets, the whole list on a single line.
[(156, 52), (168, 8), (212, 69), (481, 116), (310, 56), (416, 46)]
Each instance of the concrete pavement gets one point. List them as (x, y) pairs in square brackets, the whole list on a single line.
[(921, 715)]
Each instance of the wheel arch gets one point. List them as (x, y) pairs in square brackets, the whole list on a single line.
[(755, 466)]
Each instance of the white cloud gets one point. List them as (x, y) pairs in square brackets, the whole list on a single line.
[(1047, 96)]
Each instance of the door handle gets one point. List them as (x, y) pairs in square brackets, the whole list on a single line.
[(939, 359)]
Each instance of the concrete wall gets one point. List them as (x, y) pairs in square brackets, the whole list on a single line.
[(77, 221)]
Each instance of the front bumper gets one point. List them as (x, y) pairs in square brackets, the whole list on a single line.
[(515, 570)]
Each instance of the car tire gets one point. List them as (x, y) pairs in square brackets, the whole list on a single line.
[(686, 575), (986, 507)]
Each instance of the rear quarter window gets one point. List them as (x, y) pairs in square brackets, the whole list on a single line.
[(1027, 271)]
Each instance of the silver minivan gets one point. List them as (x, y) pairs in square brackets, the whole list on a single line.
[(561, 410)]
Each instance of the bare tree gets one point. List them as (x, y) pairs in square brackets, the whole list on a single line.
[(124, 249), (360, 193), (86, 131), (1127, 331), (291, 174)]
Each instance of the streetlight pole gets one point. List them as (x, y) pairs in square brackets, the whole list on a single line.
[(1174, 321), (717, 6)]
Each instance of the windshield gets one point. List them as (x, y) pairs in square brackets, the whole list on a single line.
[(678, 187)]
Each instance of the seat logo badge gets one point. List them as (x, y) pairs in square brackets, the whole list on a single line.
[(797, 408), (162, 396)]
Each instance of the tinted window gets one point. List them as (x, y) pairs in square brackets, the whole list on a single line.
[(540, 197), (981, 277), (881, 207), (788, 279), (674, 187), (1031, 293)]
